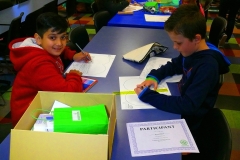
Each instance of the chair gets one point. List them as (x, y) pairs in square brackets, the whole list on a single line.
[(216, 32), (5, 129), (4, 86), (215, 138), (80, 36), (20, 1), (5, 4), (29, 25), (13, 32), (5, 63), (77, 35), (221, 80), (101, 19), (94, 7), (51, 7), (217, 37)]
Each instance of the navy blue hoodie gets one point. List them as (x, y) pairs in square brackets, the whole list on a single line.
[(198, 87)]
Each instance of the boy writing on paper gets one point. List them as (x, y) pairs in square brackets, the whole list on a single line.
[(39, 66), (199, 62)]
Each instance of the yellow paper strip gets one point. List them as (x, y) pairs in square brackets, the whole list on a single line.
[(133, 92)]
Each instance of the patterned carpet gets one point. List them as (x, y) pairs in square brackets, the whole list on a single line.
[(84, 19), (229, 96)]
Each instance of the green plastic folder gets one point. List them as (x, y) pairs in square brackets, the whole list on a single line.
[(85, 120)]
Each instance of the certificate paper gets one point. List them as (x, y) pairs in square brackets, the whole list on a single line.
[(160, 137)]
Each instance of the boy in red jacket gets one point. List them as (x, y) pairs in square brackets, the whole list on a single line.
[(39, 66)]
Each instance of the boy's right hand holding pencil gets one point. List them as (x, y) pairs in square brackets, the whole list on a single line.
[(82, 56)]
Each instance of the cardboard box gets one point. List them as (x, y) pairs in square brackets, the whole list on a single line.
[(27, 144)]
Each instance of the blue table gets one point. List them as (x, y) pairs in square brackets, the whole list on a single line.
[(118, 41), (4, 148), (135, 20)]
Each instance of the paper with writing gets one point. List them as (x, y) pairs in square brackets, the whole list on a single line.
[(131, 101), (98, 67)]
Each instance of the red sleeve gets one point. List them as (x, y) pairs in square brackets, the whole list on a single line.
[(68, 53), (45, 76)]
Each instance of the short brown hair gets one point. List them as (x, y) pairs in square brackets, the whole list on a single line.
[(188, 21)]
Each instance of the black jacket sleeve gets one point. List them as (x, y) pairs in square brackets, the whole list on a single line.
[(190, 102)]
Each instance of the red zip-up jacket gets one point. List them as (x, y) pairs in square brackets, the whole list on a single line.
[(37, 70)]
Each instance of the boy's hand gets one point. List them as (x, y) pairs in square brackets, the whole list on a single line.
[(149, 83), (185, 153), (138, 90), (82, 57), (76, 71), (146, 83)]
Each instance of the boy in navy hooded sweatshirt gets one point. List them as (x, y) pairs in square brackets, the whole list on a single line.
[(200, 63)]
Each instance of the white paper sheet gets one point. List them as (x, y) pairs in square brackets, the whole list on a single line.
[(132, 8), (160, 137), (58, 104), (155, 63), (156, 18), (131, 101), (99, 67)]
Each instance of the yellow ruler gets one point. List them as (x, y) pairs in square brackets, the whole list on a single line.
[(133, 92)]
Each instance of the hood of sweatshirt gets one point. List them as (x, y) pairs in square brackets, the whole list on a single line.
[(23, 50), (202, 57)]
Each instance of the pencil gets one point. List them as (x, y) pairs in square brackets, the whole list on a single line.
[(82, 51)]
